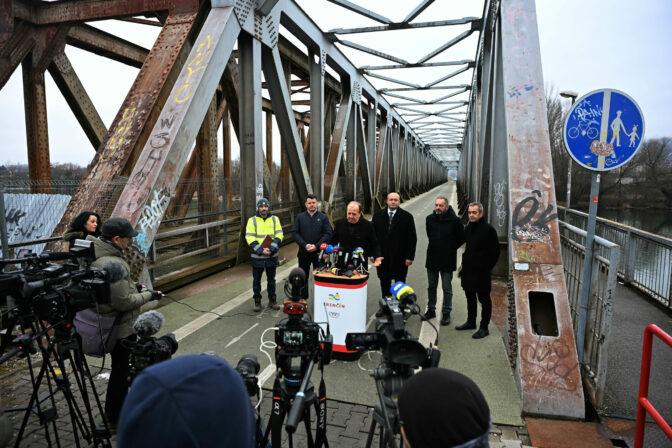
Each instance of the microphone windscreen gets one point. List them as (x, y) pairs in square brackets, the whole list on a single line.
[(297, 274), (323, 246), (148, 323), (113, 272), (330, 249)]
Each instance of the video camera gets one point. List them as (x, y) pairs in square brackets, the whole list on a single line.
[(298, 337), (148, 350), (401, 354), (51, 292)]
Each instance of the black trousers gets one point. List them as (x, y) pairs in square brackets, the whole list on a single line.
[(117, 385), (482, 296), (306, 259)]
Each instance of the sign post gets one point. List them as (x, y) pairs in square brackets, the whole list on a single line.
[(603, 130)]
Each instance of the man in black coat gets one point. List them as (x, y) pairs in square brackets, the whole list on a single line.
[(354, 231), (480, 256), (311, 229), (395, 231), (445, 234)]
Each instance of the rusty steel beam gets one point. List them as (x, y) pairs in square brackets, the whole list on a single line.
[(335, 156), (363, 159), (163, 158), (44, 13), (538, 277), (105, 44), (179, 204), (37, 133), (206, 149), (6, 21), (15, 50), (125, 135), (75, 95), (226, 156), (282, 107)]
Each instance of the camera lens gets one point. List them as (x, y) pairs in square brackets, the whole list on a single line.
[(248, 365)]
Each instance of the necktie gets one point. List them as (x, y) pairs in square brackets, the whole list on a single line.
[(391, 216)]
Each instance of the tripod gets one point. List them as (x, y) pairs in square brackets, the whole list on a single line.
[(63, 345), (385, 414), (286, 396)]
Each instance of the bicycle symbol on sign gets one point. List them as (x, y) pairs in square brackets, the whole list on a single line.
[(585, 128)]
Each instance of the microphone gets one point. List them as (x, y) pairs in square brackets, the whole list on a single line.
[(112, 272), (323, 247), (404, 294), (148, 323)]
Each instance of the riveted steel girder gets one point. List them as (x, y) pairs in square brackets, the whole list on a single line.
[(105, 44), (118, 151), (79, 101), (163, 158), (534, 236)]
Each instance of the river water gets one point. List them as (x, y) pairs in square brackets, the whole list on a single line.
[(654, 221)]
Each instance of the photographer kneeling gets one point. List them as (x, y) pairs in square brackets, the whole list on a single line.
[(189, 401), (126, 301)]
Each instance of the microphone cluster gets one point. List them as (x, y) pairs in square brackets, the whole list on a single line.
[(338, 261)]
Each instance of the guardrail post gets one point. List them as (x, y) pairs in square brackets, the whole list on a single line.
[(629, 268), (3, 224)]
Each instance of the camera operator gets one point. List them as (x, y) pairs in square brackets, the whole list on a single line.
[(441, 407), (117, 234), (188, 401)]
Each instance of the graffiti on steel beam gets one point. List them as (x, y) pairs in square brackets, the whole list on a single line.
[(123, 128), (525, 228), (550, 364), (156, 142), (185, 91), (150, 218), (500, 208)]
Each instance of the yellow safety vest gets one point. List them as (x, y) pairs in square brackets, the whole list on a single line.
[(257, 229)]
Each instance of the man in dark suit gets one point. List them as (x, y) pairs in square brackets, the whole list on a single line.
[(480, 256), (395, 230), (311, 229)]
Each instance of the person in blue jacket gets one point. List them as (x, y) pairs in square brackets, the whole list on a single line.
[(311, 229)]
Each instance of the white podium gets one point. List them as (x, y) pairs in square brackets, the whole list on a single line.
[(341, 301)]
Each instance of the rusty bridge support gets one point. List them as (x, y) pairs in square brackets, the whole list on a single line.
[(506, 164)]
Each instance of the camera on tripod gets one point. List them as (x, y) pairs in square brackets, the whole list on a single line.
[(401, 354), (300, 343), (148, 350), (54, 293), (298, 337)]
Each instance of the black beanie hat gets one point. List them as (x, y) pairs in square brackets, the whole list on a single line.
[(441, 407)]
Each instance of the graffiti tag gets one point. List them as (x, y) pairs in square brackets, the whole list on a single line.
[(524, 227)]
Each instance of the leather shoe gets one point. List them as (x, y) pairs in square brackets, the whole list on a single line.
[(481, 333), (272, 304), (445, 320), (257, 306), (466, 326), (430, 314)]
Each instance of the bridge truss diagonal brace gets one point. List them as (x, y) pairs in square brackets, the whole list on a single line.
[(337, 144), (282, 107), (158, 169), (129, 128), (534, 235)]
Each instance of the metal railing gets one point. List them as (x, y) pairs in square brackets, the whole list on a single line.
[(644, 406), (600, 305), (646, 258)]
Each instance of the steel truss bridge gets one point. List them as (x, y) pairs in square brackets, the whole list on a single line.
[(205, 69)]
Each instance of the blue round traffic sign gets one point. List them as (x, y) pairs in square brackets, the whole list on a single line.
[(604, 129)]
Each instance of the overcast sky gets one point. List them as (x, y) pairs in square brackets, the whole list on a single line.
[(585, 45)]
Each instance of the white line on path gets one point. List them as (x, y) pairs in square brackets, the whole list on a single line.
[(238, 338)]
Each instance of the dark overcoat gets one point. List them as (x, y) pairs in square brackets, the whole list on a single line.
[(480, 256), (352, 236), (445, 234), (397, 242)]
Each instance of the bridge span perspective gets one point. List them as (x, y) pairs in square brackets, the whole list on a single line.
[(236, 100)]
